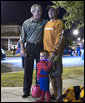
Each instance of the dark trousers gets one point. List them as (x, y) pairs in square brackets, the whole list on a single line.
[(22, 61), (32, 52), (56, 80)]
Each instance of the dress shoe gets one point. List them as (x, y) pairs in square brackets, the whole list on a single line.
[(25, 95), (53, 97)]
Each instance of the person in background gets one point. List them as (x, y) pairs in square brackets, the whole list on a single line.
[(14, 50), (78, 52), (32, 35), (18, 53)]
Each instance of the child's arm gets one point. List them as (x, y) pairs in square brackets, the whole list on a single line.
[(46, 66)]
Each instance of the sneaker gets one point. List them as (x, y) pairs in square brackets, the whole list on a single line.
[(59, 100)]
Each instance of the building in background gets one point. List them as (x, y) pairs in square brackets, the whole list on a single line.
[(10, 35)]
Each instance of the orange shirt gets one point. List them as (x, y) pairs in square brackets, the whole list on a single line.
[(53, 34)]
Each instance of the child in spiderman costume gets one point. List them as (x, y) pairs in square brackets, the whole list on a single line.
[(43, 69)]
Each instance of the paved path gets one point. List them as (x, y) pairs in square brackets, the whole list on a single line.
[(13, 94), (67, 61)]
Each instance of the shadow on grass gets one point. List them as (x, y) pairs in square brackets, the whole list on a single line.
[(5, 69)]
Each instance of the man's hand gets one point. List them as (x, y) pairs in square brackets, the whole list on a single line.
[(22, 49), (51, 57), (22, 52)]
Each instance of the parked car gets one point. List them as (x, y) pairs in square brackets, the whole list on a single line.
[(2, 54)]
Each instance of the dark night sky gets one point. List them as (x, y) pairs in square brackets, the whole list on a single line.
[(18, 11), (15, 12)]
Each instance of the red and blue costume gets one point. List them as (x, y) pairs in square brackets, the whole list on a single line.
[(43, 69)]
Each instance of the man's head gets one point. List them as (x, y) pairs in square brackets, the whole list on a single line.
[(52, 11), (36, 11), (44, 55)]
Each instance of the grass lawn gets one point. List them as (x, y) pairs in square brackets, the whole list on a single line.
[(16, 79), (72, 72), (10, 54)]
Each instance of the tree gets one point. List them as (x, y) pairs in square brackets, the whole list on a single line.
[(68, 42), (74, 13)]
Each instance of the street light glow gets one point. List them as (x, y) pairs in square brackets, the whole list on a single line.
[(74, 42), (83, 40), (75, 32), (78, 38)]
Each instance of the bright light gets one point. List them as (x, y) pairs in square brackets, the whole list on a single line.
[(73, 48), (83, 40), (74, 42), (75, 32), (79, 39)]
